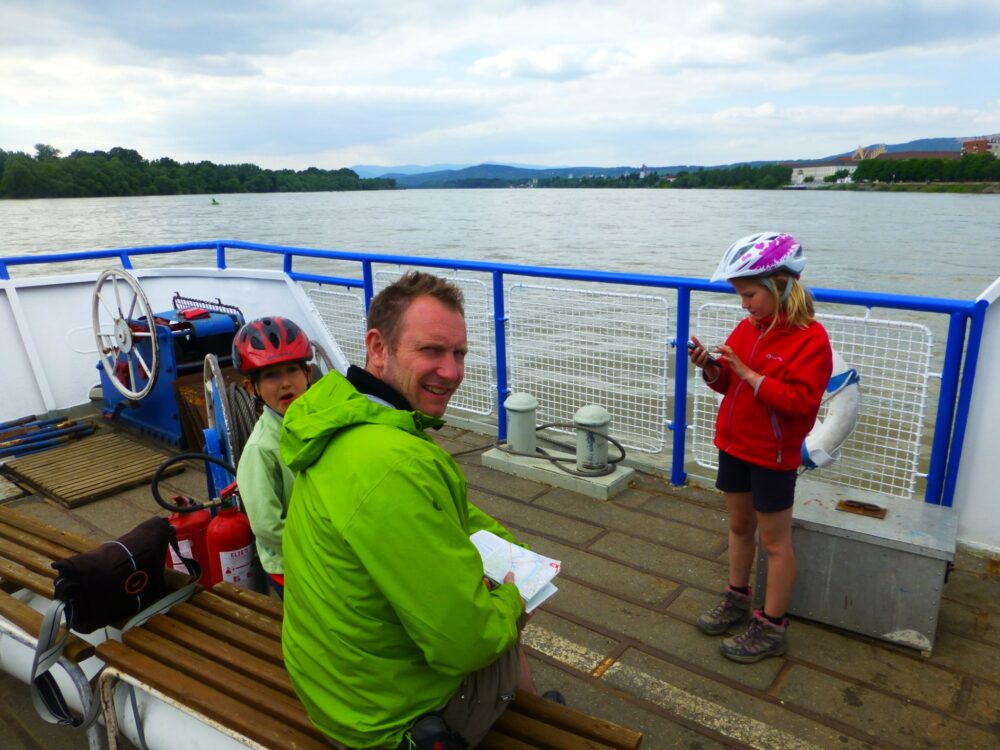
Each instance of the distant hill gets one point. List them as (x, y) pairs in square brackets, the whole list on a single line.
[(922, 144), (498, 175), (484, 173)]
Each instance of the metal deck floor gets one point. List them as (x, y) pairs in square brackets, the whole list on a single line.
[(619, 638)]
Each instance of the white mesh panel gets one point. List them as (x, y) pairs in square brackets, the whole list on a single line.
[(894, 361), (478, 391), (569, 348), (343, 313)]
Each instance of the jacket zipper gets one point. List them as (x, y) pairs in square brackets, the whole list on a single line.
[(739, 385), (776, 429)]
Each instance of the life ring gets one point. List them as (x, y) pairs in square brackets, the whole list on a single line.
[(843, 394)]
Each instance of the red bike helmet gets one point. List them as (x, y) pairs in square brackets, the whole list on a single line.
[(269, 341)]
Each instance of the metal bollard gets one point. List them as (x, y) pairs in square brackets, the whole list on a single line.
[(591, 449), (521, 409)]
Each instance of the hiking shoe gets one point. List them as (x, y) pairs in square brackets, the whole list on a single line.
[(762, 639), (733, 608)]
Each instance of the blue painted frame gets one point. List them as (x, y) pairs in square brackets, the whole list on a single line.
[(966, 319)]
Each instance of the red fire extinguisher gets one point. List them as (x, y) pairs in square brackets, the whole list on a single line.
[(231, 551), (191, 528)]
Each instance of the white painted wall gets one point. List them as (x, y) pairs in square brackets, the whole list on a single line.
[(977, 491), (47, 346)]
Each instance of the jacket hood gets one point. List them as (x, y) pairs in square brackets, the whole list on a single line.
[(332, 405)]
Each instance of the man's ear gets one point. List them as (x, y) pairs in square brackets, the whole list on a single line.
[(378, 351)]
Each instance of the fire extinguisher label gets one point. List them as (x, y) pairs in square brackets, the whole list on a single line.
[(185, 547), (237, 566)]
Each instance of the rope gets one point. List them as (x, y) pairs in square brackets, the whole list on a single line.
[(558, 461), (244, 414)]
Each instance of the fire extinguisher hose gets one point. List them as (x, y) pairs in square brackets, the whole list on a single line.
[(194, 506)]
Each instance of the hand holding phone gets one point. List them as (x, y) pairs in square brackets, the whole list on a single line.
[(713, 358)]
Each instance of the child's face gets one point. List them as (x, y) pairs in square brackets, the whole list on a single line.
[(756, 298), (280, 385)]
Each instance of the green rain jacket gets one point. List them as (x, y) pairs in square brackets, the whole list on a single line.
[(385, 607), (265, 488)]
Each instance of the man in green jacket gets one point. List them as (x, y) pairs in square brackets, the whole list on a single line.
[(390, 632)]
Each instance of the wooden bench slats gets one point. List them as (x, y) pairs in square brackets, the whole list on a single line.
[(265, 672), (30, 622), (26, 579), (497, 740), (520, 726), (238, 614), (189, 691), (569, 718), (29, 558), (27, 539), (72, 542), (264, 648), (261, 603), (281, 706)]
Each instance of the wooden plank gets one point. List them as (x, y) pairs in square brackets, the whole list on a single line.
[(265, 605), (285, 708), (67, 539), (28, 558), (496, 740), (30, 621), (226, 632), (239, 615), (190, 691), (31, 541), (25, 579), (548, 736), (264, 672), (576, 721), (89, 468)]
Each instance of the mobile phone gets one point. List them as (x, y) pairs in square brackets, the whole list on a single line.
[(714, 358)]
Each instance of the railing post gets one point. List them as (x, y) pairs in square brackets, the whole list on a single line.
[(366, 274), (679, 425), (220, 256), (500, 337), (946, 407), (964, 401), (4, 276), (126, 261), (286, 263)]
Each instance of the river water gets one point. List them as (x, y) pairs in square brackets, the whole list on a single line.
[(911, 243)]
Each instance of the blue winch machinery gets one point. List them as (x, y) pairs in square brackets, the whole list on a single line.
[(145, 356)]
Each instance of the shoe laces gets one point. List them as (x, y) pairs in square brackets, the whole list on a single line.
[(753, 634), (728, 601)]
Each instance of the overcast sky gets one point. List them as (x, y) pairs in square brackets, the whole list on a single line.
[(331, 83)]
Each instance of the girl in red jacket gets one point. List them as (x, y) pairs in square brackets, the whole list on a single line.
[(772, 371)]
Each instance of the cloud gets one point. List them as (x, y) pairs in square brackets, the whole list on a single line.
[(296, 82)]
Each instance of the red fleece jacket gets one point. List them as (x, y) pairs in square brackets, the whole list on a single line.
[(767, 428)]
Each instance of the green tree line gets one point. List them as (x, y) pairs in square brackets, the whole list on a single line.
[(766, 177), (969, 168), (124, 171)]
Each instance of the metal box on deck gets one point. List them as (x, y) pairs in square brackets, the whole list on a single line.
[(881, 577)]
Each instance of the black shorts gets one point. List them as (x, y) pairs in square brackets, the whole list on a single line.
[(772, 490)]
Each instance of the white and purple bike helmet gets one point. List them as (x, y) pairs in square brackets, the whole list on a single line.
[(761, 254)]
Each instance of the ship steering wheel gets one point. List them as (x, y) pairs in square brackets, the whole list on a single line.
[(122, 318)]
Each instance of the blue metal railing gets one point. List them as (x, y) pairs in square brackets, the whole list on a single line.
[(957, 378)]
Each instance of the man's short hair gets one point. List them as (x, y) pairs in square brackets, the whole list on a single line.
[(389, 305)]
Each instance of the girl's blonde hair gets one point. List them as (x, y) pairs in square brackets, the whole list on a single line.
[(793, 301)]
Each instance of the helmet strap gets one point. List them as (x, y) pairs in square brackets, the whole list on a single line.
[(768, 281)]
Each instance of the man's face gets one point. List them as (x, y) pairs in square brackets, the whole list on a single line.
[(428, 362)]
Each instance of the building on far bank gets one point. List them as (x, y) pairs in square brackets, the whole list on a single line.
[(818, 170), (987, 144), (901, 155)]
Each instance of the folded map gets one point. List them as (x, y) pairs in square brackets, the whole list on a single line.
[(533, 573)]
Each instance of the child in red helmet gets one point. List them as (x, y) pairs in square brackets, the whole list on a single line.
[(272, 354)]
